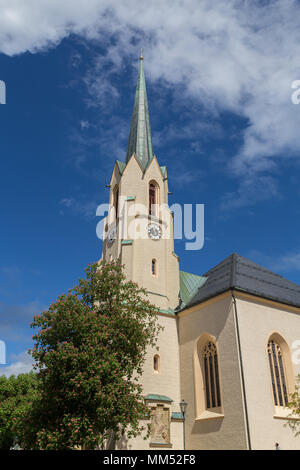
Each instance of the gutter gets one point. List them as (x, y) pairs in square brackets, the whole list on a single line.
[(241, 370)]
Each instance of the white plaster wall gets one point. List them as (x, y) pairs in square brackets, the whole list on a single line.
[(215, 318), (257, 321)]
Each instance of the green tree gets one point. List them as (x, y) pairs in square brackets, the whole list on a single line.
[(89, 350), (16, 395), (294, 406)]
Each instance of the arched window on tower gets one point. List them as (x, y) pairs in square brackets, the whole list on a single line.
[(279, 364), (116, 200), (156, 363), (154, 267), (211, 376), (153, 198)]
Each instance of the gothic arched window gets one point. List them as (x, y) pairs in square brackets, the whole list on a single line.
[(278, 373), (153, 198), (207, 378), (211, 376)]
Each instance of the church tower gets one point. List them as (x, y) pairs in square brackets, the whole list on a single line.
[(139, 231), (139, 227)]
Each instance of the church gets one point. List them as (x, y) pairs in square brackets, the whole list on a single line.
[(227, 361)]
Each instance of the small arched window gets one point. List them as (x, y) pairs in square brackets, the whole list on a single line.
[(154, 267), (278, 373), (153, 198), (156, 363), (211, 376), (116, 200)]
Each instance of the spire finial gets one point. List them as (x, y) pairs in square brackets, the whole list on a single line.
[(141, 56)]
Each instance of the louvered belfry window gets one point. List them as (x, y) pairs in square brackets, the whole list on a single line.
[(277, 372), (211, 376), (152, 199)]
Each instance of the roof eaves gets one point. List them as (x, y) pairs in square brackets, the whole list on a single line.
[(267, 297)]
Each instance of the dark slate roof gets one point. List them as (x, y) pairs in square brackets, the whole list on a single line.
[(237, 272)]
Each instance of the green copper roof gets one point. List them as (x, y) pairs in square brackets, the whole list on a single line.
[(152, 396), (163, 170), (189, 285), (140, 140), (121, 166), (177, 415)]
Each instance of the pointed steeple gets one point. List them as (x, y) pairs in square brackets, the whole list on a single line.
[(140, 139)]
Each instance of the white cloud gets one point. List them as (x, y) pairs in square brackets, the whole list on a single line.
[(235, 56), (251, 190), (288, 262), (84, 124), (81, 207), (284, 263), (21, 364), (15, 320)]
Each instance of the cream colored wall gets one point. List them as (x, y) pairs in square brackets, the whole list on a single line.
[(257, 321), (217, 319), (165, 287), (167, 382)]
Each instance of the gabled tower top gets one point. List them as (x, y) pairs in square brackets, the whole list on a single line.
[(140, 139)]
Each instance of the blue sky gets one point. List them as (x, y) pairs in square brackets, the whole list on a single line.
[(219, 89)]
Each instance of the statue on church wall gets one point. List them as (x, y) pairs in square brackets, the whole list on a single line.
[(160, 425)]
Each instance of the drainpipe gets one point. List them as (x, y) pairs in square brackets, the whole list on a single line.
[(241, 369)]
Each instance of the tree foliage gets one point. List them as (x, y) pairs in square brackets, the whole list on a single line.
[(16, 396), (89, 351), (294, 405)]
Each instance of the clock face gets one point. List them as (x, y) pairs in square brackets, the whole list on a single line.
[(154, 231), (111, 236)]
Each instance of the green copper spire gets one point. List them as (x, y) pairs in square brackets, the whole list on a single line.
[(140, 140)]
